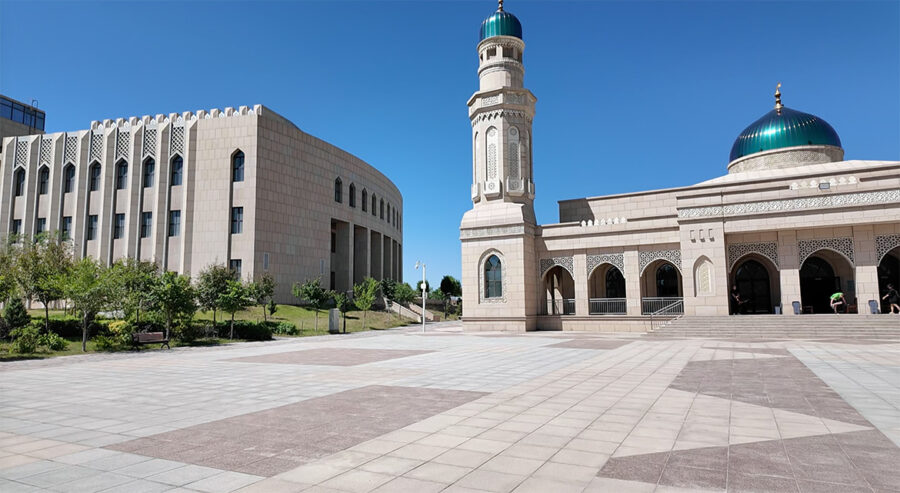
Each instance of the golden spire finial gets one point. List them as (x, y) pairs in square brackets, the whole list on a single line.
[(778, 104), (500, 6)]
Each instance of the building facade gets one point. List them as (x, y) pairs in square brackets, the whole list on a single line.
[(241, 187), (790, 224)]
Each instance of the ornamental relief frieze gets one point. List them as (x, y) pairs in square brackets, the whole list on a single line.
[(567, 263), (647, 257), (615, 259), (844, 246), (490, 232), (736, 251), (884, 244), (819, 202), (511, 115)]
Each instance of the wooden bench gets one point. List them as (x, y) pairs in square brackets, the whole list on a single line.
[(142, 338)]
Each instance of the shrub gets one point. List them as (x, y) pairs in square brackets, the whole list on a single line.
[(286, 328), (53, 342), (190, 332), (25, 340), (15, 314), (67, 327), (245, 329), (121, 330), (105, 343)]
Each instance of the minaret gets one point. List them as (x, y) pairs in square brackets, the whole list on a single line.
[(501, 113), (499, 266)]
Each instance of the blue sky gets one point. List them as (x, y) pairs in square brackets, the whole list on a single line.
[(631, 95)]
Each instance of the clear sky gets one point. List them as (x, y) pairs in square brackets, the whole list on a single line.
[(632, 95)]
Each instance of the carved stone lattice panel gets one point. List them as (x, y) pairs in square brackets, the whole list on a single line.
[(491, 100), (71, 149), (46, 150), (818, 202), (150, 142), (177, 146), (884, 244), (21, 153), (123, 142), (645, 258), (844, 246), (567, 263), (512, 158), (615, 259), (96, 146), (768, 250)]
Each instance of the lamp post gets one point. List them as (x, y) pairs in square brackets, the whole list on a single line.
[(424, 284)]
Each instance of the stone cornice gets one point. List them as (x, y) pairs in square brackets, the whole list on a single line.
[(795, 204)]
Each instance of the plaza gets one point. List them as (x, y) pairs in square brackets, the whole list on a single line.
[(452, 411)]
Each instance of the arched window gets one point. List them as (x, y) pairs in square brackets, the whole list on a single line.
[(338, 190), (493, 278), (69, 178), (237, 166), (177, 170), (374, 205), (666, 280), (365, 199), (121, 175), (149, 172), (352, 195), (19, 182), (43, 180), (615, 283), (382, 208), (94, 183), (389, 212)]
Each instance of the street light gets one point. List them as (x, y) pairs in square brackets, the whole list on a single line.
[(424, 283)]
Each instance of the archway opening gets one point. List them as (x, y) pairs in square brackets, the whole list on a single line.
[(606, 291), (757, 282), (823, 274), (559, 292), (888, 274), (661, 287)]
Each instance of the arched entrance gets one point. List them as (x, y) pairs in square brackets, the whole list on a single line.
[(888, 273), (754, 283), (660, 286), (823, 274), (606, 291), (559, 292)]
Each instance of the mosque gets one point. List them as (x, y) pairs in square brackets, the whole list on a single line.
[(790, 223)]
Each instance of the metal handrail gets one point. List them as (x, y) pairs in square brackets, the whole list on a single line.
[(668, 308), (561, 306), (651, 304), (607, 306)]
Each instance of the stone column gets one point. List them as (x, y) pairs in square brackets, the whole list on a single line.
[(579, 264), (866, 269), (789, 273), (632, 282)]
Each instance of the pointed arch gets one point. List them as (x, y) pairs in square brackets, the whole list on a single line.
[(43, 180), (94, 176), (364, 200), (177, 171), (352, 191), (149, 172), (19, 182), (237, 166), (338, 190), (121, 174), (704, 279), (69, 178)]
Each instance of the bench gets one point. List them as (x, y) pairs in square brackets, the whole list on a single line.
[(142, 338)]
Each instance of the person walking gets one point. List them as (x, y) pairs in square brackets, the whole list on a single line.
[(737, 301), (893, 298), (838, 301)]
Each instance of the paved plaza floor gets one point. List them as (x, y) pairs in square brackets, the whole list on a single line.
[(403, 411)]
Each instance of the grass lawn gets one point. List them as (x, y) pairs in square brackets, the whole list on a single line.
[(305, 318)]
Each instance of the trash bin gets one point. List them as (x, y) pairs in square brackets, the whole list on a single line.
[(777, 309), (873, 307), (796, 305)]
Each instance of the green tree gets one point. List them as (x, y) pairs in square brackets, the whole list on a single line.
[(343, 304), (450, 286), (7, 274), (233, 299), (40, 268), (272, 307), (211, 283), (262, 291), (364, 296), (15, 315), (173, 297), (313, 293), (404, 294), (133, 282), (87, 286)]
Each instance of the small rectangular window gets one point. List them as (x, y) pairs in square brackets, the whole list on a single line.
[(174, 223), (43, 181), (69, 179), (119, 226), (177, 170), (65, 228), (149, 171), (92, 227), (265, 261), (40, 226), (237, 220), (146, 224), (122, 176), (235, 265), (16, 227), (95, 178)]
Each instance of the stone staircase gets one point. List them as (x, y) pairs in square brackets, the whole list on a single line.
[(784, 326)]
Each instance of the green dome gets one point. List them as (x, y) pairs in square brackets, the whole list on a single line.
[(785, 128), (501, 23)]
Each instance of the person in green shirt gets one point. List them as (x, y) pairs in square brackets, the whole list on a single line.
[(838, 301)]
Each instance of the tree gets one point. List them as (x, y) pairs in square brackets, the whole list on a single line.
[(173, 296), (388, 286), (211, 283), (342, 303), (404, 294), (7, 275), (272, 307), (364, 296), (40, 267), (133, 281), (313, 293), (233, 299), (419, 287), (87, 287), (450, 286), (262, 290), (15, 315)]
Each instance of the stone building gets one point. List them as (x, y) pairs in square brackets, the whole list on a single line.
[(242, 187), (790, 223)]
